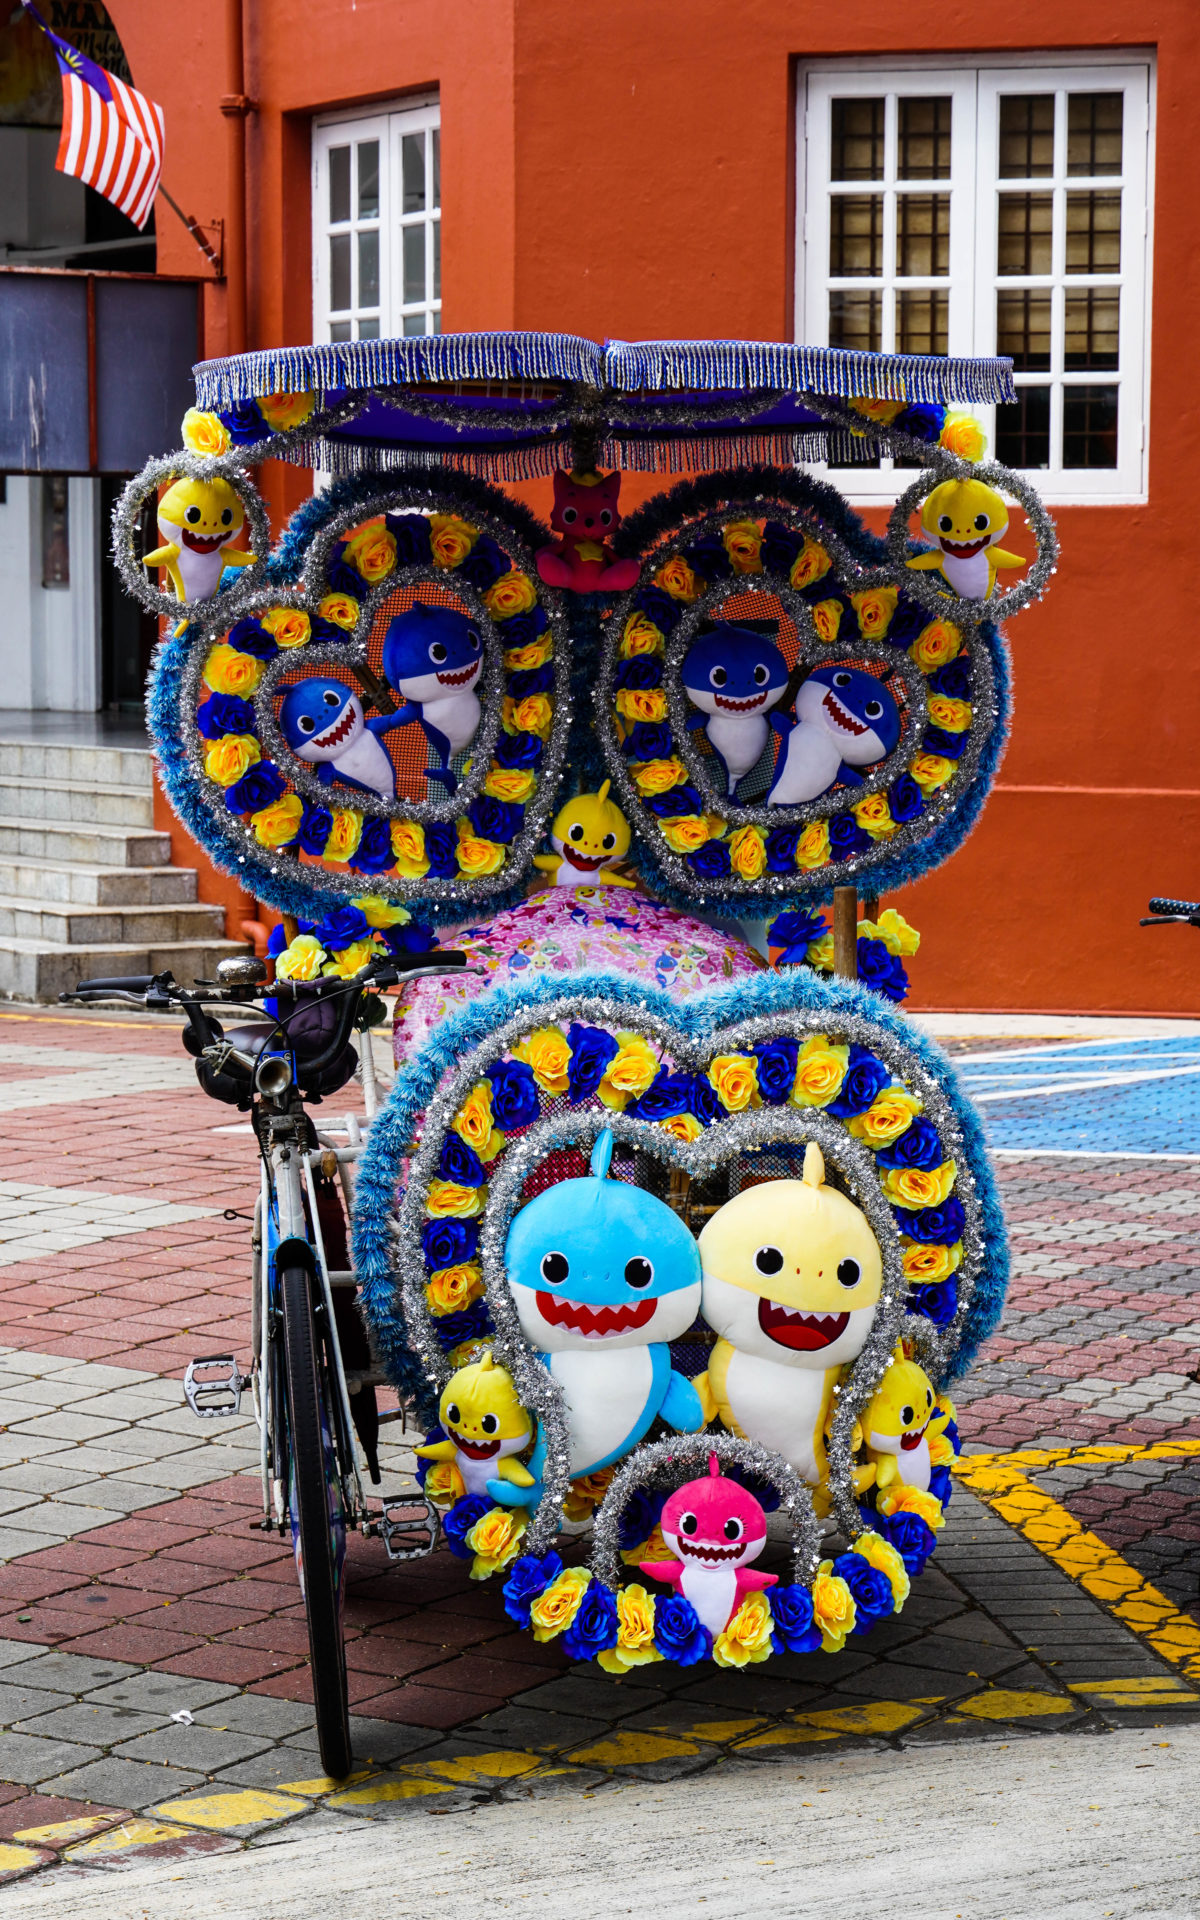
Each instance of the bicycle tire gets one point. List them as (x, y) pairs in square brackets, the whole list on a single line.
[(322, 1593)]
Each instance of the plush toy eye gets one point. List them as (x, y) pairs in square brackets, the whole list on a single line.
[(689, 1524), (576, 832), (873, 709), (945, 524), (733, 1529), (490, 1423), (981, 523), (761, 675), (605, 516), (849, 1272), (473, 640), (718, 677), (306, 723), (227, 517), (768, 1260), (841, 679), (437, 653), (570, 515), (453, 1415), (555, 1268), (638, 1272), (928, 1398), (609, 842), (331, 698), (192, 515), (906, 1414)]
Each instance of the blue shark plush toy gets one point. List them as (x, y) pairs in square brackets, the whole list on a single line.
[(845, 719), (432, 658), (733, 677), (604, 1275), (323, 723)]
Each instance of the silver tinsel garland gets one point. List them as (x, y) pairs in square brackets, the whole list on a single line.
[(255, 536)]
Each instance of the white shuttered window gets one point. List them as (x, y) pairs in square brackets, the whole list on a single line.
[(377, 225)]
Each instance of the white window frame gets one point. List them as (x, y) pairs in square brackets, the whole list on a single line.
[(388, 124), (976, 84)]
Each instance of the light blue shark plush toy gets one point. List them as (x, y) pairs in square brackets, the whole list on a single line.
[(733, 676), (603, 1276), (845, 719), (433, 657), (323, 722)]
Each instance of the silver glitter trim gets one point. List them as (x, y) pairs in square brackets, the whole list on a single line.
[(948, 606), (145, 486)]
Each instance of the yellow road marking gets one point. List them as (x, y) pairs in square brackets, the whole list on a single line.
[(721, 1730), (380, 1791), (503, 1765), (1002, 1703), (874, 1716), (787, 1737), (222, 1812), (1143, 1690), (60, 1831), (630, 1749), (20, 1859), (323, 1783), (131, 1833)]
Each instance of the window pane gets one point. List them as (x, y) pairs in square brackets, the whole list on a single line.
[(1026, 136), (339, 272), (368, 329), (1092, 329), (1023, 430), (922, 321), (1026, 232), (414, 263), (1089, 426), (435, 323), (857, 140), (855, 235), (368, 268), (412, 167), (1023, 330), (368, 179), (437, 259), (922, 235), (1093, 233), (854, 321), (1094, 129), (436, 198), (414, 323), (923, 139), (340, 330), (339, 183)]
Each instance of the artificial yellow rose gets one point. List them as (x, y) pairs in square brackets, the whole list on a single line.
[(659, 776), (653, 1547), (881, 1554), (874, 816), (890, 1114), (378, 912), (451, 1289), (748, 852), (678, 579), (451, 539), (812, 848), (341, 610), (743, 544), (925, 1266), (205, 434), (875, 608), (963, 435), (408, 846), (495, 1539), (288, 626), (747, 1638), (510, 783), (227, 758), (281, 411), (952, 716), (535, 654), (734, 1077), (371, 550), (351, 960), (586, 1493), (820, 1070), (819, 953), (899, 1498), (932, 770), (447, 1200), (444, 1483), (228, 671), (881, 412), (635, 1632), (811, 563), (278, 824), (554, 1609), (834, 1611), (641, 703), (547, 1051), (476, 855), (511, 594), (898, 937), (919, 1186), (534, 714), (474, 1123), (936, 644), (685, 833), (682, 1126), (827, 618), (630, 1071), (945, 1406), (302, 960), (640, 635), (344, 835), (941, 1450)]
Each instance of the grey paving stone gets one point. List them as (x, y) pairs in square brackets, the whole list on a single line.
[(115, 1782), (62, 1425), (12, 1499), (275, 1767), (17, 1653), (256, 1713), (28, 1761), (14, 1543), (15, 1447), (65, 1672), (63, 1519), (572, 1694), (377, 1741), (196, 1746), (86, 1720), (97, 1460), (160, 1693), (36, 1477), (182, 1471), (135, 1445), (21, 1703), (543, 1732), (124, 1496), (957, 1656)]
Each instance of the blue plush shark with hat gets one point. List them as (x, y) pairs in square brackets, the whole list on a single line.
[(432, 658), (733, 676)]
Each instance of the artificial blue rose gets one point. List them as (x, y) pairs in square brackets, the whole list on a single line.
[(528, 1577), (678, 1634), (525, 627), (410, 531), (906, 800), (531, 680), (343, 578), (872, 1590), (373, 854), (260, 786), (327, 631), (792, 933), (591, 1050), (343, 928), (909, 619), (244, 423), (950, 1429), (639, 1518), (780, 548), (515, 750), (709, 558), (413, 938), (941, 1486), (457, 1524), (934, 1226), (658, 607), (781, 844), (937, 1301), (668, 1095), (776, 1068), (951, 746), (316, 825), (918, 1146), (224, 713), (484, 564), (473, 1323), (711, 861), (765, 1491), (441, 850), (846, 837), (705, 1105), (460, 1163), (652, 740), (495, 819), (640, 673), (881, 970), (954, 679), (668, 806), (514, 1095), (921, 420), (447, 1243), (792, 1617), (911, 1536), (865, 1077), (595, 1626), (249, 637)]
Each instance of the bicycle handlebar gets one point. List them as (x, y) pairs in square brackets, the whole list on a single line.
[(1176, 909)]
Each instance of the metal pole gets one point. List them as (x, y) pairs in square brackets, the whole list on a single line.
[(845, 932), (235, 106)]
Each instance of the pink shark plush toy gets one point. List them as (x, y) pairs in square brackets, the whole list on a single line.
[(715, 1528)]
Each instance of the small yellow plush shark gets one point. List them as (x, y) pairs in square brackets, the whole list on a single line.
[(197, 521), (485, 1426), (902, 1427), (967, 520), (589, 835), (792, 1277)]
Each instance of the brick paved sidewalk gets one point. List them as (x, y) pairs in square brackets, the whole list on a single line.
[(1063, 1593)]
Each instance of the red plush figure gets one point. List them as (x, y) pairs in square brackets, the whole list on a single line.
[(585, 515)]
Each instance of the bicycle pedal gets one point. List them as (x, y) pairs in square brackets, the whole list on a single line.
[(408, 1527), (213, 1387)]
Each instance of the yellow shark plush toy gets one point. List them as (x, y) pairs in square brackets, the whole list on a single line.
[(589, 835), (485, 1426), (967, 520), (792, 1277), (197, 522)]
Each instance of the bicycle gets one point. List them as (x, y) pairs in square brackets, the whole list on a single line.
[(312, 1377), (1179, 913)]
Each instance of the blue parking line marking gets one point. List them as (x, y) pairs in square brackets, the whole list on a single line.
[(1124, 1096)]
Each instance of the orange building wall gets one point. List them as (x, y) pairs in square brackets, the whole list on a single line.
[(626, 171)]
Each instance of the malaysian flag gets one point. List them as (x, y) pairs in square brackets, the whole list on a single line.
[(112, 136)]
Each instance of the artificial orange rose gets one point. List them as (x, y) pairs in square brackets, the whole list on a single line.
[(640, 635), (874, 816), (226, 759), (227, 670), (341, 610), (820, 1069), (685, 833), (659, 776), (875, 608), (743, 544), (812, 848), (534, 714), (535, 654), (288, 626), (678, 579), (344, 835), (408, 846), (451, 539), (510, 783), (748, 853), (936, 645), (205, 434), (282, 411), (811, 563), (827, 618), (476, 855), (952, 716), (452, 1289), (371, 551), (641, 703), (734, 1078), (932, 770), (548, 1053), (511, 594)]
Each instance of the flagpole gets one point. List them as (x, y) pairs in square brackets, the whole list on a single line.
[(196, 231)]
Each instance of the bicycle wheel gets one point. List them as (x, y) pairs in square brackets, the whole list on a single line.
[(318, 1526)]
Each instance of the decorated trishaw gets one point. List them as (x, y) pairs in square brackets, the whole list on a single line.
[(674, 1233)]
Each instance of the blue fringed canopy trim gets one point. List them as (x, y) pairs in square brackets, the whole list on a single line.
[(432, 359), (660, 366)]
